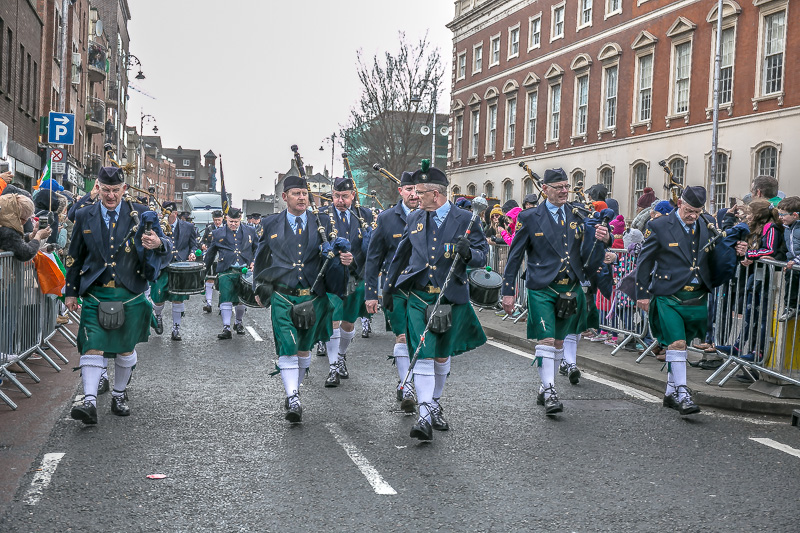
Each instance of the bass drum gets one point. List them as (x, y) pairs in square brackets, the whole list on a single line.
[(484, 288), (186, 277), (247, 294)]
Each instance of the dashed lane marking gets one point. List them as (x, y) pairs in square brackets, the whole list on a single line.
[(777, 445), (255, 335), (42, 478), (373, 477)]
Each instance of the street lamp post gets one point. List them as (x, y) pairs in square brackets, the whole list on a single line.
[(417, 100), (332, 139), (149, 118), (140, 75)]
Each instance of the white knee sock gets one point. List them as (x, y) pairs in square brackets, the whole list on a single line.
[(123, 368), (558, 357), (105, 368), (401, 360), (158, 309), (91, 370), (345, 340), (440, 371), (571, 348), (227, 311), (670, 384), (177, 312), (290, 370), (547, 368), (677, 366), (303, 364), (240, 309), (209, 292), (424, 383), (332, 346)]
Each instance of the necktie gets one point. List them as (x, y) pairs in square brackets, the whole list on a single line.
[(343, 216), (112, 220), (298, 225), (560, 217)]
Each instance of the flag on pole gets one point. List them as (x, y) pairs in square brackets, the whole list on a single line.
[(223, 193), (44, 177)]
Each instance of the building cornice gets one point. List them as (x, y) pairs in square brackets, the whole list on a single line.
[(502, 8)]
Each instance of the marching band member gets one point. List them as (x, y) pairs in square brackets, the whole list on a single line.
[(184, 244), (382, 245), (108, 266), (561, 255), (233, 248), (205, 242), (433, 239)]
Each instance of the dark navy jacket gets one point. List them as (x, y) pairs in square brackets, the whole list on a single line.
[(228, 248), (284, 258), (665, 263), (355, 234), (95, 257), (539, 238), (85, 200), (382, 245), (184, 240), (206, 238), (420, 257)]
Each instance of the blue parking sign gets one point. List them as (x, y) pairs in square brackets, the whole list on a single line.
[(61, 128)]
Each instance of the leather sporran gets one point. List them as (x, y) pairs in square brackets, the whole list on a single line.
[(352, 285), (442, 320), (303, 315), (111, 315), (566, 305)]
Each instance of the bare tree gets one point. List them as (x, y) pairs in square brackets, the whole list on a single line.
[(398, 95)]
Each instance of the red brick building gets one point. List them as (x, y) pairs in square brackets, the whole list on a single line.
[(608, 88)]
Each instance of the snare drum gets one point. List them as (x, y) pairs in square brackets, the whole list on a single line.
[(484, 288), (186, 277), (247, 295)]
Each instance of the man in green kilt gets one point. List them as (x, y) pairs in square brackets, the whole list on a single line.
[(673, 279), (108, 265), (232, 250), (184, 246), (382, 245), (434, 238), (354, 226), (205, 242), (563, 252), (286, 275)]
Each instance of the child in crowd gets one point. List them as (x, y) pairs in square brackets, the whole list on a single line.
[(789, 212)]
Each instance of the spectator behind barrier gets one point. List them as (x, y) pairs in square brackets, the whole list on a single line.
[(531, 200), (617, 228), (598, 191), (766, 187), (15, 210), (789, 211), (508, 225), (492, 231)]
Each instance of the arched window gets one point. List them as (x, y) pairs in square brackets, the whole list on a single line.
[(767, 162), (678, 168), (456, 191), (508, 190), (607, 178), (527, 186), (720, 179), (488, 189), (471, 190), (639, 181), (577, 176)]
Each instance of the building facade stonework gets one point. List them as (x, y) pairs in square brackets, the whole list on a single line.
[(606, 89)]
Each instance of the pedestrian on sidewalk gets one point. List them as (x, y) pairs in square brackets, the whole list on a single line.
[(382, 245), (563, 252), (435, 238), (109, 265)]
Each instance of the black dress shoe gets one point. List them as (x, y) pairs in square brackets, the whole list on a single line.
[(710, 364), (574, 374), (176, 334), (321, 349), (119, 406), (686, 405), (437, 418), (103, 387), (365, 332), (333, 378), (421, 430), (239, 328), (226, 333), (294, 411), (671, 401), (540, 398), (159, 325), (551, 403), (343, 373), (85, 412), (207, 308)]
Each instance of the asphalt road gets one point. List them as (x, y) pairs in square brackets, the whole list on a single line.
[(207, 415)]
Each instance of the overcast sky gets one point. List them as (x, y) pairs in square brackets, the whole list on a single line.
[(249, 78)]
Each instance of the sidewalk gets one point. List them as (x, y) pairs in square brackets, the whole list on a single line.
[(647, 375)]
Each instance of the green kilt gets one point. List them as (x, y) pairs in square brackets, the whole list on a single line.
[(228, 285), (396, 318), (593, 317), (670, 321), (351, 307), (465, 334), (288, 339), (159, 290), (138, 321), (542, 321)]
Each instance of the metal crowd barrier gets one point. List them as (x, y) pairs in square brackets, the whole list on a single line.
[(28, 323), (755, 323)]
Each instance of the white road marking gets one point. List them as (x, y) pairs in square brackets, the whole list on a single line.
[(373, 477), (255, 335), (42, 477), (777, 445)]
